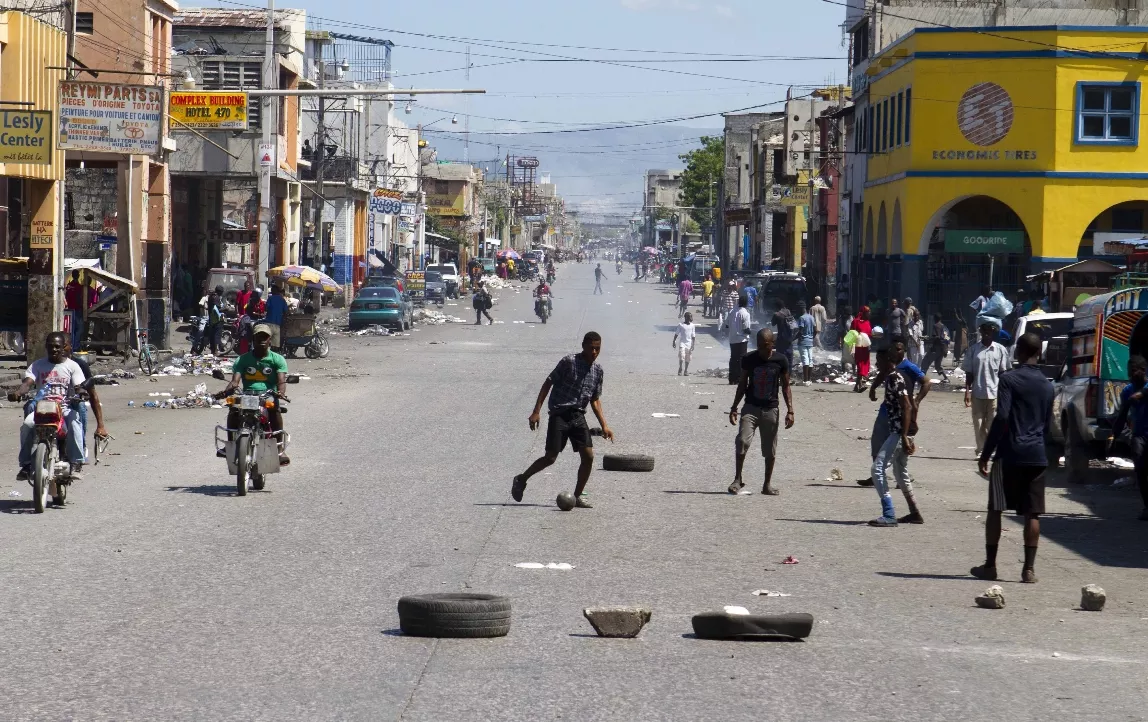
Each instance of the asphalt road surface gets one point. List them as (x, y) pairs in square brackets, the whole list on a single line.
[(158, 594)]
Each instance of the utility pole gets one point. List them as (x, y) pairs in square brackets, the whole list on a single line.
[(263, 245), (320, 154)]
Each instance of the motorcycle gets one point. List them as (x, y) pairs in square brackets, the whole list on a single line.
[(618, 267), (542, 306), (48, 471), (252, 450), (549, 277)]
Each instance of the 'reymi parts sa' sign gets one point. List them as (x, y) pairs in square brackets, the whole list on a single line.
[(110, 117)]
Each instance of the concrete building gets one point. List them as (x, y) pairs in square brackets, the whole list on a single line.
[(663, 219), (31, 179), (735, 191), (129, 43), (453, 197), (235, 201)]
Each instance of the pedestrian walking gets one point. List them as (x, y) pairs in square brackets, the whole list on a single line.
[(895, 323), (917, 386), (983, 365), (598, 273), (785, 329), (914, 331), (750, 292), (764, 374), (807, 331), (482, 303), (898, 446), (844, 325), (574, 384), (1134, 413), (738, 324), (276, 312), (960, 337), (708, 296), (982, 300), (1018, 437), (937, 347), (685, 290), (820, 320), (684, 342), (729, 299), (861, 353)]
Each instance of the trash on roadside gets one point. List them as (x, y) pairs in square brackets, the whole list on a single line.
[(789, 560), (14, 494), (731, 609), (1124, 481), (992, 598), (1092, 598), (666, 416), (1119, 463), (703, 406), (836, 475), (768, 593), (561, 566)]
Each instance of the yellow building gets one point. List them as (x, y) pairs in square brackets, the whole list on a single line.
[(1002, 150)]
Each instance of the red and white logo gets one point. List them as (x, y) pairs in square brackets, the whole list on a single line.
[(985, 114)]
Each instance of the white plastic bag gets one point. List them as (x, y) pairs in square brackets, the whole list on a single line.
[(998, 306)]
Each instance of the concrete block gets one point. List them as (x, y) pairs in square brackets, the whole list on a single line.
[(992, 598), (617, 621), (1092, 598)]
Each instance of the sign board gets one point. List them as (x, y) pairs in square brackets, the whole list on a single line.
[(447, 199), (112, 240), (43, 234), (110, 118), (370, 231), (208, 110), (794, 195), (738, 216), (416, 284), (228, 235), (266, 154), (982, 241), (386, 201), (26, 137)]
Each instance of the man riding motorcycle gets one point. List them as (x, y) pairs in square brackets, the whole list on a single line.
[(550, 271), (55, 378), (544, 288), (259, 371)]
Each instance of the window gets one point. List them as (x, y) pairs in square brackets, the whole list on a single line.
[(888, 103), (861, 42), (884, 125), (1107, 113), (1127, 220), (877, 130), (900, 116), (235, 75), (85, 25), (908, 112), (869, 126)]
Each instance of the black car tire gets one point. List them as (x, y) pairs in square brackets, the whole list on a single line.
[(454, 615), (627, 462), (748, 627)]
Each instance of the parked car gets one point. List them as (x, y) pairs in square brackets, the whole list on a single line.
[(382, 306), (488, 266), (434, 287), (1048, 325), (1106, 330), (232, 280), (777, 285), (385, 281), (450, 278)]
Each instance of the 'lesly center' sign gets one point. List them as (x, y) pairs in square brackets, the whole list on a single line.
[(208, 110), (984, 241), (26, 137)]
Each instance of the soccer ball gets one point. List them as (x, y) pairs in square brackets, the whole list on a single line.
[(565, 501)]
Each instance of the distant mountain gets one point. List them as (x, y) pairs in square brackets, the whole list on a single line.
[(599, 173)]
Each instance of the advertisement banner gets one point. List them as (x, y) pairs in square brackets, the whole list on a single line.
[(446, 199), (110, 118), (208, 110), (387, 202), (26, 136), (416, 284)]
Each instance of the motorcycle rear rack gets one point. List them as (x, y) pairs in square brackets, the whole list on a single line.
[(282, 438)]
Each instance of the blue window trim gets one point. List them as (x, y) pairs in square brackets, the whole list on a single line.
[(1078, 115)]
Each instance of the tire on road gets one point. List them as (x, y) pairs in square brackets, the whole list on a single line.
[(720, 625), (627, 462), (454, 615)]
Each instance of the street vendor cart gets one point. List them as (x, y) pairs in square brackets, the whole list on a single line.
[(107, 325)]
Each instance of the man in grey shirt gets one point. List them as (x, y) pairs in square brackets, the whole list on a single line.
[(983, 365), (896, 322)]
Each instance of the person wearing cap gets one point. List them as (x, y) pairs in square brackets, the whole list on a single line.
[(983, 365), (259, 371)]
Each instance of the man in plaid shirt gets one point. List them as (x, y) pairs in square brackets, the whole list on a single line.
[(574, 384)]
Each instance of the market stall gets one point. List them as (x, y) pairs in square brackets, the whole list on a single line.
[(107, 325)]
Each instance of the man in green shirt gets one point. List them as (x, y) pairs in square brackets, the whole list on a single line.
[(258, 371)]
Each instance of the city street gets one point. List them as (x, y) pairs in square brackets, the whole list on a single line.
[(159, 594)]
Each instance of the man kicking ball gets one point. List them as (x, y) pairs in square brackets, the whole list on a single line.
[(574, 384)]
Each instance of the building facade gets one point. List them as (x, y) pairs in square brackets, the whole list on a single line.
[(992, 155)]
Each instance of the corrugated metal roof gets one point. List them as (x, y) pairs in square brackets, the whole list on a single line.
[(225, 18)]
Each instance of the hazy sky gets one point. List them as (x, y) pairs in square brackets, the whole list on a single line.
[(525, 94)]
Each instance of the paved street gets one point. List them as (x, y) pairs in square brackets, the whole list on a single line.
[(158, 594)]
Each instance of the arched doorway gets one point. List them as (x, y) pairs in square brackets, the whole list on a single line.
[(1123, 220), (955, 276)]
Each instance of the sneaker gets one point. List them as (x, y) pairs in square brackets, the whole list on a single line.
[(883, 521), (1027, 576), (583, 502), (77, 472), (865, 482), (914, 518), (984, 571), (24, 474), (736, 486), (518, 487), (769, 490)]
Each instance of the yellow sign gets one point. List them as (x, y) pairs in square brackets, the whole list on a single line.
[(447, 199), (26, 137), (43, 234), (795, 195), (208, 110)]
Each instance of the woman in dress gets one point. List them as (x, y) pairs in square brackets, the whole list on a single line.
[(861, 324)]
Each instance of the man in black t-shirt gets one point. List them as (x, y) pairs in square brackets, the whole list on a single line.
[(763, 374)]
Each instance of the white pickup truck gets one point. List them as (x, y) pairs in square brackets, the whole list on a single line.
[(450, 277)]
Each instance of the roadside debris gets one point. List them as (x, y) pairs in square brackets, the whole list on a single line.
[(836, 475), (731, 609), (789, 560), (666, 416), (1092, 598), (617, 622), (992, 598), (768, 593), (561, 566)]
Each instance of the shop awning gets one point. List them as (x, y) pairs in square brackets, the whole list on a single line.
[(378, 260), (435, 239)]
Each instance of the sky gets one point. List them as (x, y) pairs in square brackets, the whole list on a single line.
[(509, 40)]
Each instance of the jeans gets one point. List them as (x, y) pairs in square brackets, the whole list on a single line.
[(879, 435), (891, 452), (73, 445)]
